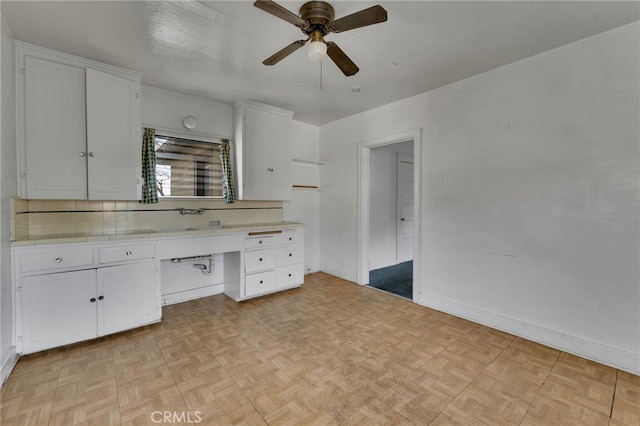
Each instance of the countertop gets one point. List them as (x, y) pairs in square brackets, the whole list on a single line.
[(153, 233)]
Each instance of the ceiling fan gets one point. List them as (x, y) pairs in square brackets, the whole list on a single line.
[(316, 19)]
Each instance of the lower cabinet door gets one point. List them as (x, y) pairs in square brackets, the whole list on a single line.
[(259, 283), (128, 296), (57, 309)]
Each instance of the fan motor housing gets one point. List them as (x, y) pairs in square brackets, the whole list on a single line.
[(317, 13)]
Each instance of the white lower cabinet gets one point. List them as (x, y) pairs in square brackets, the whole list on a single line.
[(273, 262), (126, 297), (68, 293), (56, 308)]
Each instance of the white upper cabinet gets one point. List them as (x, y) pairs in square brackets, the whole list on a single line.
[(263, 151), (114, 141), (55, 131), (79, 128)]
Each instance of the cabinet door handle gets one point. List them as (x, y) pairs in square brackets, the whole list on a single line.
[(92, 300), (83, 154), (128, 253), (58, 259), (91, 154), (101, 298)]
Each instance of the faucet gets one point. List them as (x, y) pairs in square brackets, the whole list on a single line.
[(184, 211)]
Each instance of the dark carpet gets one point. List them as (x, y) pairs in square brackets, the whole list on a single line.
[(396, 279)]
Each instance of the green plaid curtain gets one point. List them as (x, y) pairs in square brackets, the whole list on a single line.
[(228, 191), (149, 188)]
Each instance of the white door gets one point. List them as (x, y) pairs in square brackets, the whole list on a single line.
[(58, 309), (127, 297), (404, 227), (114, 138), (55, 130)]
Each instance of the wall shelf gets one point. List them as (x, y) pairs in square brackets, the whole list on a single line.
[(308, 188), (309, 163)]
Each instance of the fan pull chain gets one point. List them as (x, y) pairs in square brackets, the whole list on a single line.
[(320, 73)]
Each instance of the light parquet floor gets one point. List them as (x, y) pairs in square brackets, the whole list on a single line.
[(330, 353)]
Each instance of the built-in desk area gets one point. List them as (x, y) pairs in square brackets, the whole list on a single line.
[(73, 288)]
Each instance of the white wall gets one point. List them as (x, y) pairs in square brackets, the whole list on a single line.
[(530, 188), (304, 205), (166, 109), (383, 203), (8, 188)]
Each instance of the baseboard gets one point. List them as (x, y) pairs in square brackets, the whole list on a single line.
[(10, 362), (594, 351), (310, 269), (196, 293)]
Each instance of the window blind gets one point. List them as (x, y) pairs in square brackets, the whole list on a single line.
[(187, 168)]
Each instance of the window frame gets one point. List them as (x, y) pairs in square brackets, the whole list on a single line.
[(194, 136)]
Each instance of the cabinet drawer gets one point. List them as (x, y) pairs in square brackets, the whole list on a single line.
[(258, 260), (51, 261), (258, 242), (289, 276), (289, 237), (124, 253), (289, 255), (259, 283)]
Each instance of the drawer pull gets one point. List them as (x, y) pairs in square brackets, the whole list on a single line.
[(290, 254), (261, 281), (253, 234), (289, 274), (58, 259), (128, 253), (260, 242), (101, 298), (92, 300), (260, 259), (290, 238)]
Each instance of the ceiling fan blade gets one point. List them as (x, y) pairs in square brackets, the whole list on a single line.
[(276, 10), (274, 59), (369, 16), (343, 62)]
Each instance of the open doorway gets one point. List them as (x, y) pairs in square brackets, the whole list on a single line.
[(365, 189), (391, 214)]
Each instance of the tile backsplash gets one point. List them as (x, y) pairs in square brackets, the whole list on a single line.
[(44, 218)]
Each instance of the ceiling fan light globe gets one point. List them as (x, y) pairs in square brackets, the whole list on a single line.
[(317, 50)]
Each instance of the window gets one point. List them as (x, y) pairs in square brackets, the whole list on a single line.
[(187, 168)]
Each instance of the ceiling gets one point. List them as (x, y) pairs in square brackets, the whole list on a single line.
[(214, 49)]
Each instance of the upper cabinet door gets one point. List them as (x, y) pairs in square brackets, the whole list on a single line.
[(263, 150), (114, 138), (255, 185), (55, 138), (279, 157)]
